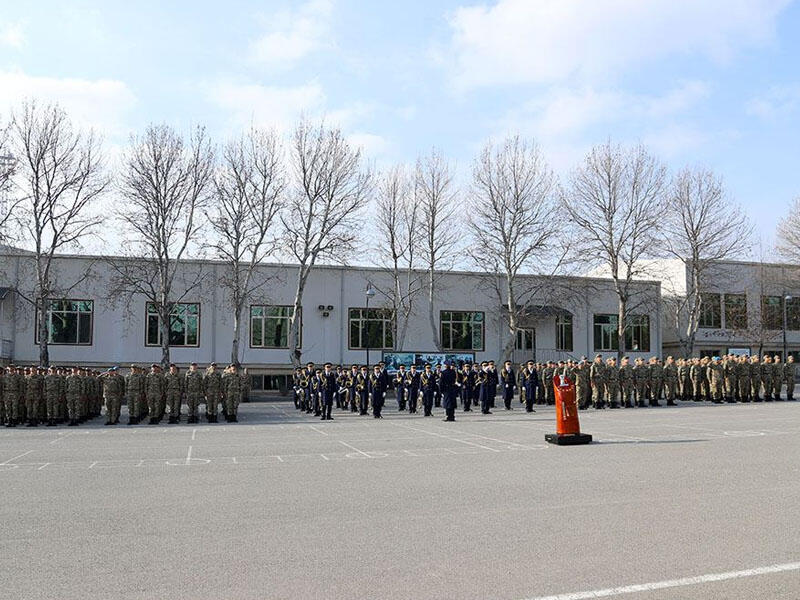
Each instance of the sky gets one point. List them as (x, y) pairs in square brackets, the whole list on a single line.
[(714, 83)]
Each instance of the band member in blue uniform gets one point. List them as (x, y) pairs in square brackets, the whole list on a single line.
[(467, 381), (509, 382), (483, 383), (330, 389), (377, 390), (400, 387), (493, 381), (531, 383), (428, 385), (437, 394), (448, 384), (362, 389), (413, 388)]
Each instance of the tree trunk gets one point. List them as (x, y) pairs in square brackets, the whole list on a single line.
[(163, 325), (294, 352), (44, 333), (237, 327), (622, 315), (512, 320), (434, 330)]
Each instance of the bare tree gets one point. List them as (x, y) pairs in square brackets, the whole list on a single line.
[(701, 226), (248, 192), (165, 183), (434, 194), (511, 219), (398, 245), (8, 167), (60, 175), (615, 201), (331, 186), (788, 234)]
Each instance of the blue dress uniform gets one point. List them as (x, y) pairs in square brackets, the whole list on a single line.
[(448, 386), (482, 381), (437, 393), (509, 381), (362, 388), (412, 386), (531, 383), (492, 382), (377, 390), (352, 394), (467, 380), (310, 375), (330, 387), (429, 384), (400, 388)]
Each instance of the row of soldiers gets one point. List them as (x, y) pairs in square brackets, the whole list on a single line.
[(599, 383), (58, 395)]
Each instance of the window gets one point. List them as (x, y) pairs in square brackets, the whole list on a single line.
[(270, 326), (371, 328), (184, 325), (793, 314), (68, 322), (735, 311), (564, 333), (772, 312), (461, 330), (637, 333), (710, 313), (525, 339)]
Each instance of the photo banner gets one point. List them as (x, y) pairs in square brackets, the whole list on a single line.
[(394, 359)]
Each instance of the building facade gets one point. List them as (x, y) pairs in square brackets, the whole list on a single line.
[(89, 326)]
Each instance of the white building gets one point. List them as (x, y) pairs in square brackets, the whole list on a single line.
[(90, 328)]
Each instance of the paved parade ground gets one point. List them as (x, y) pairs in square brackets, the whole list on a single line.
[(698, 501)]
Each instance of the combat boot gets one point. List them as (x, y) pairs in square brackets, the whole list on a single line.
[(235, 420), (72, 422)]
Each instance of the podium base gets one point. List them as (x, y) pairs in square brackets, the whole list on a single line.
[(575, 439)]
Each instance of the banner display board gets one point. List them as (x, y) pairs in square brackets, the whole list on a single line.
[(395, 359)]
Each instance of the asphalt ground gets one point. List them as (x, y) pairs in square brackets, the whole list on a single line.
[(697, 501)]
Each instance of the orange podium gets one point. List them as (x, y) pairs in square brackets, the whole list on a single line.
[(568, 430)]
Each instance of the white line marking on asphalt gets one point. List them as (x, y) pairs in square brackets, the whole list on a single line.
[(16, 457), (42, 467), (189, 455), (61, 437), (93, 464), (279, 458), (486, 437), (672, 583), (194, 433), (314, 427), (324, 457), (354, 448), (452, 439)]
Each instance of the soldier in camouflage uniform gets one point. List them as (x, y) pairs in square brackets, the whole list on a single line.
[(113, 389), (548, 372), (729, 373), (134, 386), (626, 382), (154, 391), (52, 393), (716, 380), (611, 374), (777, 377), (213, 387), (641, 376), (755, 379), (743, 378), (597, 378), (582, 386), (670, 380), (232, 391), (12, 392), (174, 383), (540, 399), (33, 396), (74, 390), (656, 381), (788, 376), (62, 396), (766, 378), (194, 391)]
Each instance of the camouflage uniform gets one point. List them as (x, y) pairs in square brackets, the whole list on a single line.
[(743, 379), (33, 396), (597, 377), (134, 390), (194, 393), (12, 391), (174, 383), (755, 379), (731, 383), (641, 375), (777, 377), (113, 390), (656, 382), (626, 384), (611, 375), (232, 391), (716, 379), (582, 386), (213, 387), (74, 391), (788, 377), (52, 392), (766, 378), (154, 390)]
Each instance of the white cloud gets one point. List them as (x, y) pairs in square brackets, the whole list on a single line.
[(266, 106), (12, 35), (99, 103), (293, 35), (549, 41), (371, 144), (777, 102)]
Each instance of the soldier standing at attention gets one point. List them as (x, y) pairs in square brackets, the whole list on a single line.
[(597, 380), (400, 387), (194, 392), (670, 380), (728, 369), (743, 378), (705, 365), (11, 395), (755, 379), (448, 384), (33, 396), (330, 386), (154, 391), (377, 391), (482, 383), (640, 378), (412, 386), (131, 395), (213, 386), (231, 392), (174, 391), (612, 383), (788, 376), (362, 389), (716, 380), (656, 381), (52, 389), (531, 385), (466, 379), (777, 377), (766, 378), (74, 391), (113, 390), (493, 380), (626, 382), (509, 382), (548, 372)]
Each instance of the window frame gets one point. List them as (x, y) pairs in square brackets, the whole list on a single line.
[(390, 320), (769, 326), (717, 304), (628, 334), (50, 331), (250, 327), (725, 309), (559, 327), (158, 345), (449, 348)]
